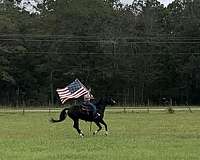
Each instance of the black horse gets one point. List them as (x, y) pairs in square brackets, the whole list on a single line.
[(77, 112)]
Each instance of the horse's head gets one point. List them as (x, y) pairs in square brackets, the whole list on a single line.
[(103, 102), (109, 101)]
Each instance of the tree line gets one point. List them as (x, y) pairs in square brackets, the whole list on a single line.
[(136, 53)]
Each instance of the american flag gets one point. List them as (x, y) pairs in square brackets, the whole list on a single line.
[(73, 90)]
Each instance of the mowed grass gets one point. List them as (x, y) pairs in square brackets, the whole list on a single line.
[(132, 136)]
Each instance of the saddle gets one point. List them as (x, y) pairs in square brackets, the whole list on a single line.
[(86, 108)]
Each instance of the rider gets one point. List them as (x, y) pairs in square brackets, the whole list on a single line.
[(87, 97)]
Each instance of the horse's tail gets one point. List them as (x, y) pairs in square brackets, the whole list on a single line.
[(63, 115)]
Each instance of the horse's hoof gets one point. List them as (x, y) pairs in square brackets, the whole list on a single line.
[(82, 135), (106, 133)]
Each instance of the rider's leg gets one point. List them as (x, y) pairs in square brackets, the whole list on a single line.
[(95, 114), (93, 107)]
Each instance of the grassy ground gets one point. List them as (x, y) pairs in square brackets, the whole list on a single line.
[(132, 136)]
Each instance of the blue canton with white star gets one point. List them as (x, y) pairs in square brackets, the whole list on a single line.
[(74, 86)]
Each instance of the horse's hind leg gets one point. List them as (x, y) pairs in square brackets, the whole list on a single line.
[(76, 126), (98, 124)]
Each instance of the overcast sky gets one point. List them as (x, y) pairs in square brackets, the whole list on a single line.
[(165, 2), (25, 3)]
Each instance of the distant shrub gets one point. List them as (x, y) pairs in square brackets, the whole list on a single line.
[(170, 110)]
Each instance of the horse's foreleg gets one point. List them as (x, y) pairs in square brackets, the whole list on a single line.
[(98, 124), (105, 125), (76, 126)]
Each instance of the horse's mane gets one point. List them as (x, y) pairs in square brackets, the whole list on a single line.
[(98, 101)]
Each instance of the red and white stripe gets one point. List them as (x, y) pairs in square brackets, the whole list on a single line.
[(65, 94)]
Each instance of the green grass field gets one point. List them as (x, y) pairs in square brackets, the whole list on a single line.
[(132, 136)]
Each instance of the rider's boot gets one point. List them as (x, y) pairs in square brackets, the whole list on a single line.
[(96, 115)]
